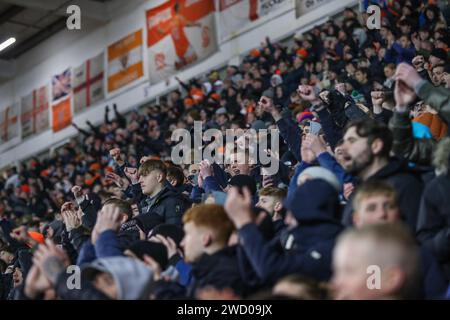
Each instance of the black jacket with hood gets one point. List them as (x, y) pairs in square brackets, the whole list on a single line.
[(408, 186), (167, 206)]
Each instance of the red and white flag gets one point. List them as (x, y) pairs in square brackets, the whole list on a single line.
[(34, 112), (9, 123), (87, 83)]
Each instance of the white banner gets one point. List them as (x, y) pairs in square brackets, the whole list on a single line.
[(305, 6), (236, 15)]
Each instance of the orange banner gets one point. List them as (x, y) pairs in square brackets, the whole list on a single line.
[(62, 115), (160, 18), (130, 74), (125, 45), (125, 62), (179, 33)]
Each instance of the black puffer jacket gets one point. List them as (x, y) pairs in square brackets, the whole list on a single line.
[(219, 270), (168, 206)]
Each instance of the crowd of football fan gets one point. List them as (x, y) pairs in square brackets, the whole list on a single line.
[(362, 188)]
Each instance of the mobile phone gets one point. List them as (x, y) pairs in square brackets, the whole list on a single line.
[(314, 127)]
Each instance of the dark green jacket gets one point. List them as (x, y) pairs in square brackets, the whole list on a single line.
[(419, 150)]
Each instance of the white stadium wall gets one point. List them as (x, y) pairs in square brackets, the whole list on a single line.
[(71, 48)]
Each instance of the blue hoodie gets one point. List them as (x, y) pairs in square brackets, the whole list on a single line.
[(315, 205)]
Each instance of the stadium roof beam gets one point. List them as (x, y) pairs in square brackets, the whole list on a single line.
[(95, 10)]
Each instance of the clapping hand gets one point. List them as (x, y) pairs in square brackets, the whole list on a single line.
[(132, 174), (205, 169), (51, 260), (71, 218), (408, 75), (116, 179)]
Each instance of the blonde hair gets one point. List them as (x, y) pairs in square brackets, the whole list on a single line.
[(372, 188)]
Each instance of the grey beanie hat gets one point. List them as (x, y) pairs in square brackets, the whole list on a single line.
[(321, 173)]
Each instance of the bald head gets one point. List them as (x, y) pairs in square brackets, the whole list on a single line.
[(376, 262)]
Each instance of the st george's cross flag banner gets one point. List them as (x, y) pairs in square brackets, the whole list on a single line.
[(61, 85), (125, 63), (9, 123), (179, 33), (87, 83), (34, 115)]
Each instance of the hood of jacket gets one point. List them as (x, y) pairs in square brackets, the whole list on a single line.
[(169, 192), (314, 201), (129, 288), (394, 166)]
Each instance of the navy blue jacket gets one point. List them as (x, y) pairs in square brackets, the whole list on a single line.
[(184, 270), (327, 161), (108, 245), (434, 281), (315, 206), (210, 184), (398, 54), (293, 183), (196, 194)]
